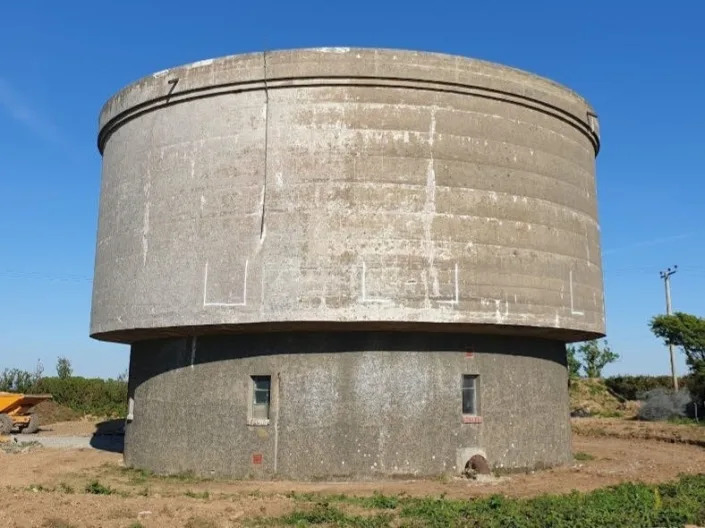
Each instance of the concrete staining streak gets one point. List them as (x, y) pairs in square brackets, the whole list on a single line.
[(145, 218), (429, 213), (205, 289)]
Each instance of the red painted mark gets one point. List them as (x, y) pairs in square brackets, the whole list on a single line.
[(469, 353), (468, 419), (257, 458)]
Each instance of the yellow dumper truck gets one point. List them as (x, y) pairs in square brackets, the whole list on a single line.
[(15, 412)]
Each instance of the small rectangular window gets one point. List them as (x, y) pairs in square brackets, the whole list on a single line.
[(470, 404), (261, 388)]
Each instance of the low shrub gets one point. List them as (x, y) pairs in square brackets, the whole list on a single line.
[(663, 404), (96, 488), (696, 384), (99, 397), (633, 387)]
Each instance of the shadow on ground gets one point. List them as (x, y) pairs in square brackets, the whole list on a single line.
[(109, 436)]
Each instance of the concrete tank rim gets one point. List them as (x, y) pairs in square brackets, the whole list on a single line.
[(553, 94), (134, 335)]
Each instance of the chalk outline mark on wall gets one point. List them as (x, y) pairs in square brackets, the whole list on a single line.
[(573, 311), (456, 300), (364, 297), (205, 289)]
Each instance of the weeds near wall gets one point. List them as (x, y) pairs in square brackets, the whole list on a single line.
[(627, 506)]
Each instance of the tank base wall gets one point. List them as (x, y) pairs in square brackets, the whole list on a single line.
[(346, 405)]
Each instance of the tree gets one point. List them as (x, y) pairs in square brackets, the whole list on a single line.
[(685, 331), (595, 357), (38, 370), (574, 365), (63, 368), (16, 380)]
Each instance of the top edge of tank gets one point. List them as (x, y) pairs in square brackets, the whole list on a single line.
[(400, 64)]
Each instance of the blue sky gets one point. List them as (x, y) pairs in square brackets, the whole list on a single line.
[(641, 65)]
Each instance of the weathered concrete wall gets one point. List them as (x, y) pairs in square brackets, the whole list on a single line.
[(346, 404), (347, 186)]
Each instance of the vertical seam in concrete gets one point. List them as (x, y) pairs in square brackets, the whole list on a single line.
[(266, 143), (276, 424), (193, 350)]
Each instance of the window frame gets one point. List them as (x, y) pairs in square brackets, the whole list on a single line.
[(475, 394), (253, 417)]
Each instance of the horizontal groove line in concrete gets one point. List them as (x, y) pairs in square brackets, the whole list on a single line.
[(380, 82)]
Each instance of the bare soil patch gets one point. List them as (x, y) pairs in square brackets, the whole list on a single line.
[(47, 486), (635, 429), (50, 412)]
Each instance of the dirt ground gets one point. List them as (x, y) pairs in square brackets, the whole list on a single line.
[(46, 487), (636, 429)]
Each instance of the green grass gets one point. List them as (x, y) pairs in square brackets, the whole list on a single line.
[(325, 514), (197, 495), (679, 420), (631, 505), (142, 476), (200, 522), (96, 488), (65, 488), (583, 457), (55, 522)]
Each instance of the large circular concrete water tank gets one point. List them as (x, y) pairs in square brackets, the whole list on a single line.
[(320, 192)]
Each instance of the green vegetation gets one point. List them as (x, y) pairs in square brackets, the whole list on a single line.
[(197, 494), (54, 522), (16, 380), (64, 370), (96, 488), (200, 522), (679, 420), (95, 396), (324, 513), (144, 476), (583, 457), (593, 397), (627, 506), (687, 332), (573, 362), (65, 488), (590, 356), (633, 387)]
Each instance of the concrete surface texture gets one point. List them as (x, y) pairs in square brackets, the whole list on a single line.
[(346, 405), (345, 186), (363, 227)]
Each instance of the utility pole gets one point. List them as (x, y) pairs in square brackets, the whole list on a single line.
[(666, 276)]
